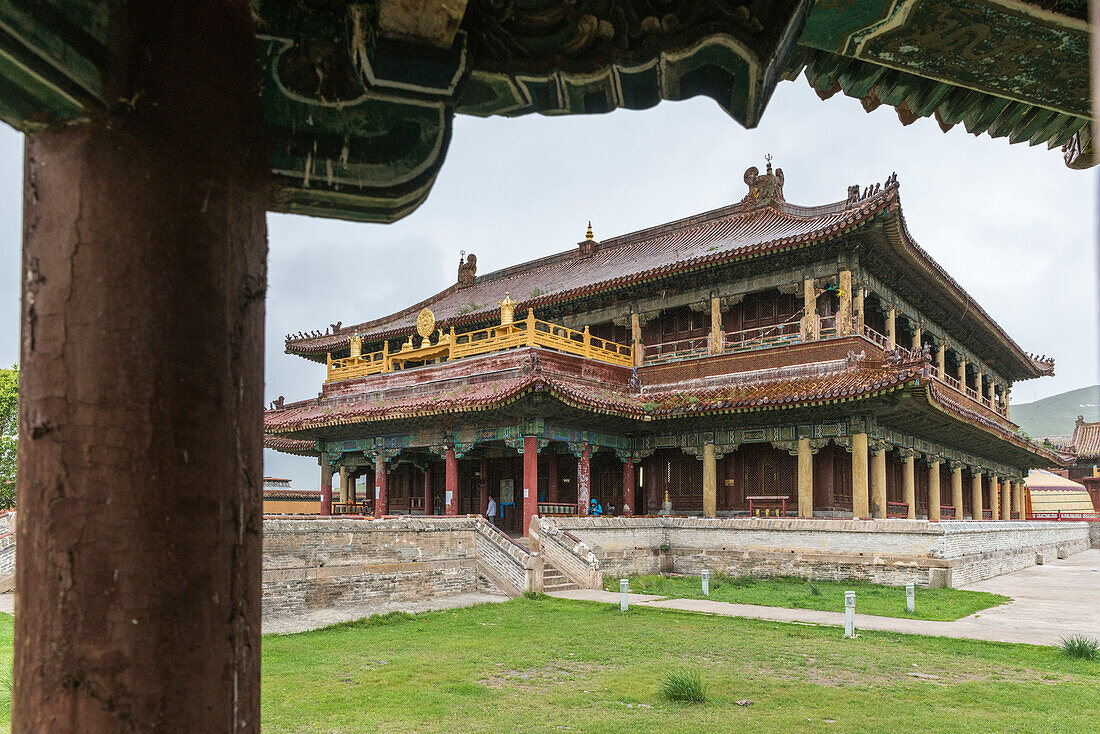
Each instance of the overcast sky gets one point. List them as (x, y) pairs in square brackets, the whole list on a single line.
[(1012, 224)]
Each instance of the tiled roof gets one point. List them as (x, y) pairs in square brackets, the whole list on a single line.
[(1086, 440), (290, 445), (728, 233), (723, 235), (763, 389)]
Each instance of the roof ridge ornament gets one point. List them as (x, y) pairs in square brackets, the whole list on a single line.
[(766, 188), (467, 269), (588, 245)]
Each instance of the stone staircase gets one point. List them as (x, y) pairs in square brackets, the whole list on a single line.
[(552, 578), (555, 580)]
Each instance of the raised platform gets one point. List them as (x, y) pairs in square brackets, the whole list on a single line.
[(953, 553)]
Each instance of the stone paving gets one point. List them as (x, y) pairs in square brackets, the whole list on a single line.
[(1049, 602)]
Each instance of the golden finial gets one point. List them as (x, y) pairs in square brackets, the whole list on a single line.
[(356, 345), (507, 310), (588, 235)]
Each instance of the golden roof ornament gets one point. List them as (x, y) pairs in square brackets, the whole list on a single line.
[(356, 345), (425, 323), (588, 235), (507, 310)]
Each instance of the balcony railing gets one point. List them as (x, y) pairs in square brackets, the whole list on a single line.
[(675, 351), (529, 332), (789, 332)]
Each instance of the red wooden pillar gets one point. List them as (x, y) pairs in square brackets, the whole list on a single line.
[(326, 486), (380, 480), (530, 481), (628, 487), (452, 482), (584, 480), (484, 486), (428, 508)]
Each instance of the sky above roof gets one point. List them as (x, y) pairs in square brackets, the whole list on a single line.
[(1011, 224)]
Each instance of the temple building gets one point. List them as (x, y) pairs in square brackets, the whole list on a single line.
[(282, 499), (763, 358)]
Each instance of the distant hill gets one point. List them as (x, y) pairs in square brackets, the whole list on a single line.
[(1054, 416)]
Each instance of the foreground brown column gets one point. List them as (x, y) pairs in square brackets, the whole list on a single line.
[(141, 411), (530, 481), (381, 488), (628, 487), (451, 477)]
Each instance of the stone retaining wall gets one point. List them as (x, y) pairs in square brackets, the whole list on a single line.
[(7, 550), (319, 563), (883, 551)]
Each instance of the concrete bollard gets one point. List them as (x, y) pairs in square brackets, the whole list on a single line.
[(706, 582), (624, 590), (849, 614), (1062, 553), (1040, 559), (910, 598)]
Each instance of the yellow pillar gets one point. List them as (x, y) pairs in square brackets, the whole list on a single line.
[(805, 479), (917, 338), (962, 372), (940, 360), (1006, 501), (994, 498), (715, 346), (934, 490), (809, 318), (976, 494), (957, 490), (710, 481), (878, 483), (1018, 497), (844, 308), (909, 485), (857, 310), (860, 506), (343, 484), (636, 339), (891, 328)]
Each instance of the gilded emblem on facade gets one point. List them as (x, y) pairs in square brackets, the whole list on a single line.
[(425, 323)]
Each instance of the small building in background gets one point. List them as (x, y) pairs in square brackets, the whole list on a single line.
[(281, 499), (1050, 496)]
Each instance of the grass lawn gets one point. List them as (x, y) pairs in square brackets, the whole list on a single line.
[(550, 665), (796, 593), (553, 665)]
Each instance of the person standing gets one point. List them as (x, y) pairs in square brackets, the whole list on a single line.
[(491, 510)]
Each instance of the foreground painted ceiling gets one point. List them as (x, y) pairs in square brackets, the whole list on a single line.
[(359, 97)]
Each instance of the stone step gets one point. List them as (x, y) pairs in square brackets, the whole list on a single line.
[(564, 586)]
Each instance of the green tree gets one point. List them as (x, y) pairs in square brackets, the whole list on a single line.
[(9, 433)]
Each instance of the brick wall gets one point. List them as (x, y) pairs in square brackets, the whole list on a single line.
[(883, 551), (318, 563)]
